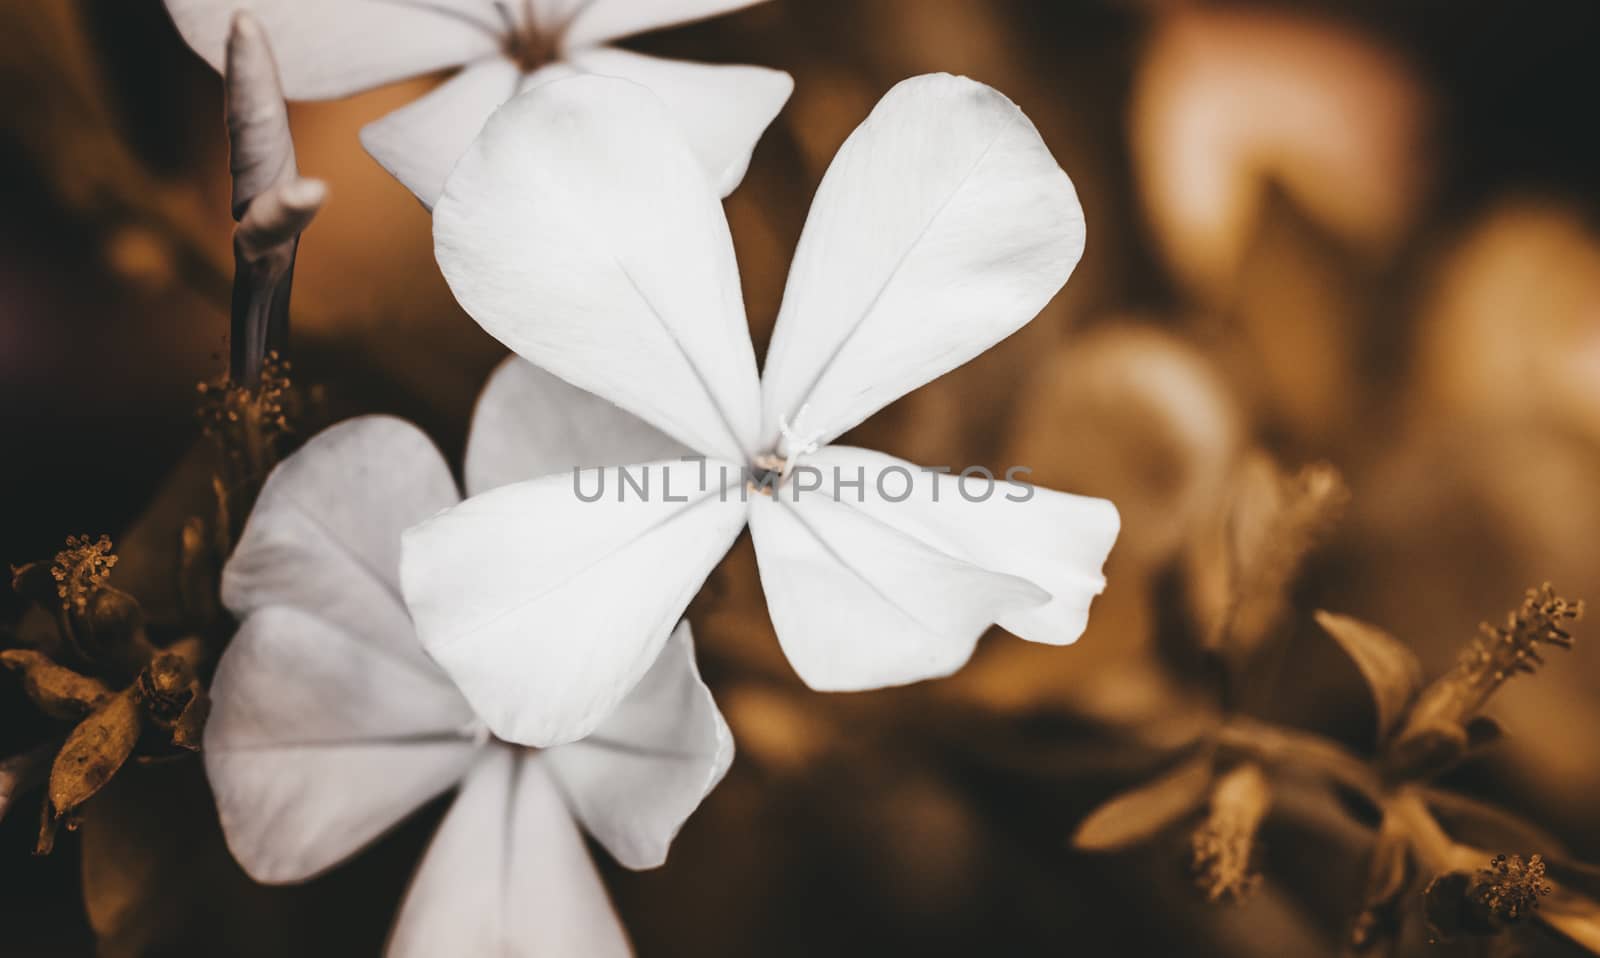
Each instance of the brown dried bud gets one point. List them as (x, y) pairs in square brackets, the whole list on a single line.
[(1274, 522), (1224, 845), (172, 696), (58, 691), (93, 753), (110, 630)]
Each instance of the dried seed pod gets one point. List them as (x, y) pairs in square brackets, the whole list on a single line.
[(91, 756), (58, 691)]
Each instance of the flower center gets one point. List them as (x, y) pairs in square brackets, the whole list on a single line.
[(525, 43), (770, 469)]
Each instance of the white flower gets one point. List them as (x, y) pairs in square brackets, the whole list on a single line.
[(580, 232), (333, 48), (330, 723)]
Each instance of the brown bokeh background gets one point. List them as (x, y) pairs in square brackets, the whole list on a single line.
[(1354, 232)]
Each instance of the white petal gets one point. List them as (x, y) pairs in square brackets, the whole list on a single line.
[(507, 875), (319, 741), (858, 604), (324, 536), (529, 424), (1057, 541), (942, 227), (420, 142), (332, 48), (546, 610), (722, 109), (589, 22), (644, 771), (579, 229)]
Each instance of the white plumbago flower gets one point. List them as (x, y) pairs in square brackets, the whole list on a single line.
[(333, 48), (580, 231), (331, 724)]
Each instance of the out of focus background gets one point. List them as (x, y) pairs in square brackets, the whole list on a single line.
[(1361, 233)]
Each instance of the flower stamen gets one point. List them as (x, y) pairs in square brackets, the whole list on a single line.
[(80, 569), (525, 43), (796, 443), (1514, 648), (1510, 888)]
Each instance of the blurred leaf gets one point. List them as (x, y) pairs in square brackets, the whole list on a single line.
[(1483, 731), (1574, 877), (64, 122), (1489, 826), (1444, 905), (158, 879), (19, 773), (1387, 872), (1572, 916), (1392, 671), (1423, 751), (1141, 812), (151, 550)]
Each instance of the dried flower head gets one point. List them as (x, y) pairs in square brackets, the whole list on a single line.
[(1440, 728), (1224, 845), (1222, 851), (1514, 648), (1486, 901), (80, 569), (1510, 888)]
